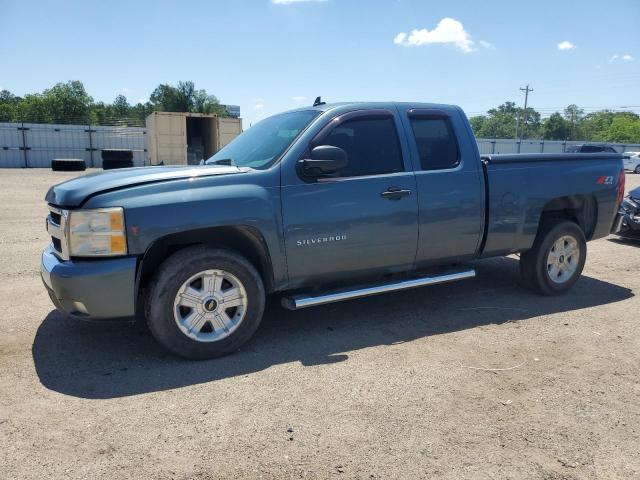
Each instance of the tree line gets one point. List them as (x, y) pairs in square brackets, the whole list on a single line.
[(508, 121), (70, 103)]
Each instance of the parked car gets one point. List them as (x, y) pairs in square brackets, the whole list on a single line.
[(318, 205), (590, 148), (631, 161), (628, 220)]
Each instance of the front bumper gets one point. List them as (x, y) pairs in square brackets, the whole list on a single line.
[(92, 289)]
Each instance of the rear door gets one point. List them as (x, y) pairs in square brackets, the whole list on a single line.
[(353, 224), (170, 135), (450, 185)]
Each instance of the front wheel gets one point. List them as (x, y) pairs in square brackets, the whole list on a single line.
[(637, 170), (556, 259), (205, 302)]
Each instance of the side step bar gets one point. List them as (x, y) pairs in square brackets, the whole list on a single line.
[(296, 302)]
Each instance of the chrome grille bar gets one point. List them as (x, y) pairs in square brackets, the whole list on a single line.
[(57, 228)]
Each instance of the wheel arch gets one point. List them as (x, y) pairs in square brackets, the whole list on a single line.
[(581, 209), (245, 240)]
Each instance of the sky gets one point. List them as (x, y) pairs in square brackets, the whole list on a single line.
[(273, 55)]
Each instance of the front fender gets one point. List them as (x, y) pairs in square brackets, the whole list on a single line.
[(155, 211)]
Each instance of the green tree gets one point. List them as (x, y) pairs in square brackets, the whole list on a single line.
[(185, 98), (574, 116), (477, 124), (529, 123), (121, 107), (594, 125), (205, 103), (67, 102), (140, 111), (8, 106), (624, 128), (555, 127), (34, 108), (500, 122)]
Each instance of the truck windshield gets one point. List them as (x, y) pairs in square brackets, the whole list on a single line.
[(261, 145)]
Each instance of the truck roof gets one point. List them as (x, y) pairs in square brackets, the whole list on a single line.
[(366, 105)]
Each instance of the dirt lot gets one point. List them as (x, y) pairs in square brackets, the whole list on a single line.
[(385, 387)]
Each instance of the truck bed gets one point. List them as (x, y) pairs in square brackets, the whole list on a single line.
[(519, 188)]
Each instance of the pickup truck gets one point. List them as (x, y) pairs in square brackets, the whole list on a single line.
[(318, 205)]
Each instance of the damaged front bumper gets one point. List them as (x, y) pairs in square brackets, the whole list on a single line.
[(627, 222)]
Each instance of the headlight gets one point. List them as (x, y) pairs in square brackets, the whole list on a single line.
[(98, 232)]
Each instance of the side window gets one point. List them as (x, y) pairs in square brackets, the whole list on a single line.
[(371, 144), (436, 143), (611, 149)]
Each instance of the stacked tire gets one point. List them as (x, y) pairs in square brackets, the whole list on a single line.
[(116, 158), (68, 165)]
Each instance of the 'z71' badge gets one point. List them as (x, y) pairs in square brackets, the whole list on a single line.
[(318, 240), (604, 180)]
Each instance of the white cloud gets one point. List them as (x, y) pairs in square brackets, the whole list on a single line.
[(485, 44), (142, 100), (289, 2), (125, 89), (566, 45), (448, 31), (626, 57), (259, 104), (298, 98)]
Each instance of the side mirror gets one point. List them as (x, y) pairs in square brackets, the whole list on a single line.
[(325, 159)]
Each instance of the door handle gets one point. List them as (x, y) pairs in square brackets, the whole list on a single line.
[(395, 193)]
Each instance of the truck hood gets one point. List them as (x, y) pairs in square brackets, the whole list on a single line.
[(73, 193)]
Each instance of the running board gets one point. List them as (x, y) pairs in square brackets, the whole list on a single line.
[(303, 300)]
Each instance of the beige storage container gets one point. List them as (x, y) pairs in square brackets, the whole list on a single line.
[(182, 138), (228, 129)]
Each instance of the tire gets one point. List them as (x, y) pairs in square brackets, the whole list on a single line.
[(186, 316), (546, 272), (111, 164), (637, 170), (68, 165)]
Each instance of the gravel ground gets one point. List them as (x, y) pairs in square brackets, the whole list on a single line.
[(385, 387)]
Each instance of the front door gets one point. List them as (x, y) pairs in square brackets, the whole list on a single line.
[(364, 220)]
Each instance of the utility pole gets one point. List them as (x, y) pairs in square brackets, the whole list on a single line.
[(526, 91)]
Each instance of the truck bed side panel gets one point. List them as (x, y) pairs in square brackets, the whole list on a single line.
[(519, 191)]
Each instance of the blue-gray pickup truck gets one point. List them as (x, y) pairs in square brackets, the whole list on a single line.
[(318, 205)]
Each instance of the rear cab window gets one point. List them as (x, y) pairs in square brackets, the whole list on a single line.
[(436, 142)]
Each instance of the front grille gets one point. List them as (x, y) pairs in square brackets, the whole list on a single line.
[(55, 217), (56, 226), (57, 244)]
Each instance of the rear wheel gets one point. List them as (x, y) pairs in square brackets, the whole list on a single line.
[(556, 259), (205, 302), (637, 170)]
